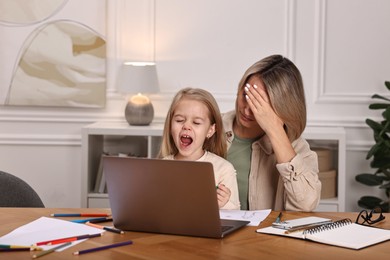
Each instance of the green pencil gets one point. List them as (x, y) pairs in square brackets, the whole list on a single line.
[(51, 250)]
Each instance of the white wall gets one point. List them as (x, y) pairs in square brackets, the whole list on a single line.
[(341, 48)]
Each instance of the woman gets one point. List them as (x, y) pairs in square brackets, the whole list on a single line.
[(275, 167)]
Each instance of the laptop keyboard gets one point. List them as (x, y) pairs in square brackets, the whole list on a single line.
[(226, 228)]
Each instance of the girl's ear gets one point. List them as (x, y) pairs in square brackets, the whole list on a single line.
[(211, 131)]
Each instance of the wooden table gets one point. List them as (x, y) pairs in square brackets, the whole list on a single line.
[(243, 244)]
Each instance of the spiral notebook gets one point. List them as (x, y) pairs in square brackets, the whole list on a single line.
[(342, 233)]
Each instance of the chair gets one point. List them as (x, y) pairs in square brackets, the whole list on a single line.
[(14, 192)]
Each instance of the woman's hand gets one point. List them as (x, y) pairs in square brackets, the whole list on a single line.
[(262, 110), (269, 121), (223, 195)]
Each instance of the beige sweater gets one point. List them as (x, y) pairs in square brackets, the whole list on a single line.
[(285, 186), (224, 173)]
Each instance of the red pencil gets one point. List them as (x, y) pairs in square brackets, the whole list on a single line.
[(67, 239)]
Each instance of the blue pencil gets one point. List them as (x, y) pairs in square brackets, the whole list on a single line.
[(102, 248)]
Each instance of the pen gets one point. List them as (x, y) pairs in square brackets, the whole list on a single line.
[(80, 215), (278, 219), (51, 250), (102, 247), (302, 228), (92, 220), (67, 239), (114, 230)]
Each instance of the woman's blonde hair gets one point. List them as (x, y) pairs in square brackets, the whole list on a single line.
[(216, 143), (284, 86)]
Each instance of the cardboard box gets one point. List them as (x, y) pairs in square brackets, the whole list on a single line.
[(328, 181), (325, 159)]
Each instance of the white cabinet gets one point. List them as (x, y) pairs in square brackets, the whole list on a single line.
[(113, 138), (334, 139), (144, 141)]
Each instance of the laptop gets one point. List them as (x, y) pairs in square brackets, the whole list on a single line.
[(165, 196)]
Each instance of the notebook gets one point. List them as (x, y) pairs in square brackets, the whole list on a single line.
[(165, 196), (342, 233)]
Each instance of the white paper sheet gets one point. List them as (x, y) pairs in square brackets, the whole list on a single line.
[(254, 216), (44, 229)]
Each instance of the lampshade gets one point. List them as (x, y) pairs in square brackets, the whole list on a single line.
[(138, 78)]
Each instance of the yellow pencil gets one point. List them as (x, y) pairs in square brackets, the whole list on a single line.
[(2, 246)]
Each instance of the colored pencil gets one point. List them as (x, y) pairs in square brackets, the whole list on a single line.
[(102, 248), (51, 250), (114, 230), (2, 246), (94, 220), (67, 239), (80, 215), (100, 220), (15, 249)]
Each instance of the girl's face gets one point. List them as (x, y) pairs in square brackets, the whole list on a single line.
[(190, 126)]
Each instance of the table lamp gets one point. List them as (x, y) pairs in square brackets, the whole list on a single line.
[(138, 78)]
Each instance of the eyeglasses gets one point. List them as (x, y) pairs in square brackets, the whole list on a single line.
[(370, 217)]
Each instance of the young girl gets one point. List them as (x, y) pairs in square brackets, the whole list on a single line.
[(193, 131)]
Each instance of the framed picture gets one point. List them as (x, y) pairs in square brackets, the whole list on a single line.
[(53, 53)]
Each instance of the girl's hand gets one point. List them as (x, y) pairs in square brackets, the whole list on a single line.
[(223, 195)]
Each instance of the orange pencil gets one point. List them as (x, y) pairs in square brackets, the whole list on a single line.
[(114, 230)]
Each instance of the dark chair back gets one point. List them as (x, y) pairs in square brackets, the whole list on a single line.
[(14, 192)]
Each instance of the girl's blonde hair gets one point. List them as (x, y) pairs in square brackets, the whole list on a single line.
[(216, 143), (284, 85)]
